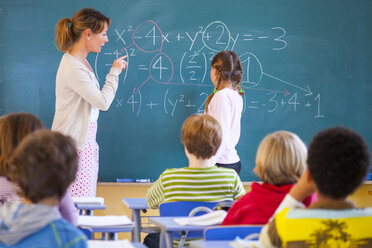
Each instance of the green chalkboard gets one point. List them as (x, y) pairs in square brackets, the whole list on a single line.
[(307, 66)]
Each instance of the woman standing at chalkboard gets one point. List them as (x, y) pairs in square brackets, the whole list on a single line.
[(78, 94), (225, 104)]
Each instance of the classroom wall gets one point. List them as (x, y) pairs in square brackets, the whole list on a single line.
[(113, 193)]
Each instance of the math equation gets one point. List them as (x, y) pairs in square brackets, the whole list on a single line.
[(174, 59)]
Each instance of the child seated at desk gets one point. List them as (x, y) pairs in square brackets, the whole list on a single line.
[(338, 162), (202, 180), (43, 165), (14, 127), (280, 161), (201, 137)]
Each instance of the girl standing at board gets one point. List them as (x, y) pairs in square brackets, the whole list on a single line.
[(78, 94), (226, 105)]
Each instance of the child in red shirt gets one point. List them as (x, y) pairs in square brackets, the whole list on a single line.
[(280, 161)]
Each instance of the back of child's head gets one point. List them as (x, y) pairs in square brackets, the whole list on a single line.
[(229, 68), (14, 128), (281, 158), (338, 161), (201, 135), (44, 165)]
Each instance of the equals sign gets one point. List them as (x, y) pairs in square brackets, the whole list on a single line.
[(142, 67), (247, 35)]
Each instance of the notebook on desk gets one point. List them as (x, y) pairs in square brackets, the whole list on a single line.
[(104, 221), (212, 218), (242, 243), (88, 200), (109, 244)]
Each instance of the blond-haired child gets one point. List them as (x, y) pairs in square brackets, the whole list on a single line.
[(280, 161)]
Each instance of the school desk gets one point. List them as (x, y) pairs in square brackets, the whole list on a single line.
[(86, 205), (167, 225), (136, 205), (110, 232), (87, 209), (219, 244)]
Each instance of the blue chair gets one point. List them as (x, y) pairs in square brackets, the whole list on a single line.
[(183, 208), (250, 232), (186, 208), (87, 231), (369, 177)]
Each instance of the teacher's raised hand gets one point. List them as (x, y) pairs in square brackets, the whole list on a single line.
[(120, 63)]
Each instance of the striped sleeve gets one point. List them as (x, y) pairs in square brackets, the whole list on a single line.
[(155, 194), (239, 190)]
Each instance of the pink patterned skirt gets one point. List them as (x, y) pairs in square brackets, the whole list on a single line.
[(85, 183)]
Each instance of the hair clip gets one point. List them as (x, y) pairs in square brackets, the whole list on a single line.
[(215, 90), (240, 90)]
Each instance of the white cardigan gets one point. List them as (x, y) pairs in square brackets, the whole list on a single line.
[(77, 90)]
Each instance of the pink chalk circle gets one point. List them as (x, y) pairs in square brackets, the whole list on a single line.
[(152, 65), (140, 37)]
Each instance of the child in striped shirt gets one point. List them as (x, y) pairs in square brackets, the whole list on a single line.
[(201, 180)]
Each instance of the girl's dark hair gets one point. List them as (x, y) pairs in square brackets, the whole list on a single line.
[(69, 30), (229, 68)]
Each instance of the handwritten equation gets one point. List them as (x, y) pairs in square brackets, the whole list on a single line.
[(171, 59), (170, 103)]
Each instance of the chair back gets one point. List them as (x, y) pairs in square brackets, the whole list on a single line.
[(231, 232), (184, 208), (87, 231)]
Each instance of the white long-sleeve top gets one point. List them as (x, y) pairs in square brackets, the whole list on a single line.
[(226, 107), (78, 97)]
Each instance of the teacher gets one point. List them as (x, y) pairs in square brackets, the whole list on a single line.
[(78, 94)]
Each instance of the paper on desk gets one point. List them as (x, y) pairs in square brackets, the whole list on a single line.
[(242, 243), (103, 221), (213, 218), (89, 200), (109, 244)]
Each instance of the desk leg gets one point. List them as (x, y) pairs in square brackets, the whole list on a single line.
[(166, 239), (86, 212), (111, 236), (136, 218)]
